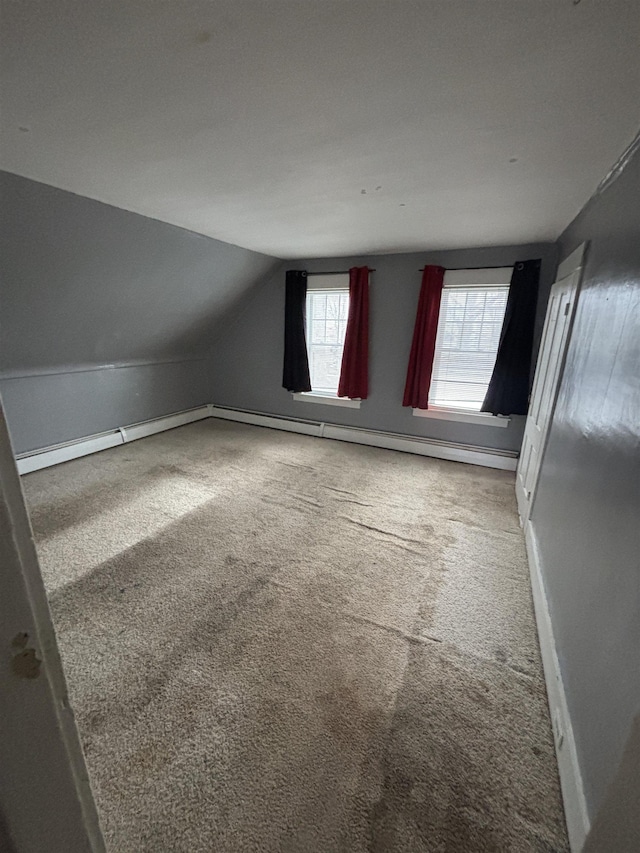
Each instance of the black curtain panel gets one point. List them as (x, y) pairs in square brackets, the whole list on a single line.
[(295, 372), (508, 392)]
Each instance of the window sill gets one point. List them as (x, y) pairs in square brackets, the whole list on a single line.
[(326, 399), (481, 418)]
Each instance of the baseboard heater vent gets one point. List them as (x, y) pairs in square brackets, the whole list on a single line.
[(47, 456), (506, 460), (58, 453), (246, 416)]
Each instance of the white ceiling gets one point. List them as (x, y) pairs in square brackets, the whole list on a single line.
[(331, 127)]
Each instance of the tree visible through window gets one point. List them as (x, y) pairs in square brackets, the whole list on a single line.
[(466, 345), (327, 313)]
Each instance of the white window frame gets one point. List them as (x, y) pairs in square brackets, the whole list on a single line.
[(326, 282), (470, 278)]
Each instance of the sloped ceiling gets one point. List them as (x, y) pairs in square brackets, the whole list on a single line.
[(83, 283), (324, 128)]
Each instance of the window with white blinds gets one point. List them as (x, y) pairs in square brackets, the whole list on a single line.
[(327, 313), (469, 327)]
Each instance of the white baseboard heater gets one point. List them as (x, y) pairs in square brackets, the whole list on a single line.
[(48, 456), (488, 457), (505, 459)]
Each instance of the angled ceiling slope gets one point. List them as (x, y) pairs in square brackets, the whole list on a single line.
[(69, 301), (308, 129)]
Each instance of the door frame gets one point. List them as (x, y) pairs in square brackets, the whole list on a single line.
[(574, 263), (46, 802)]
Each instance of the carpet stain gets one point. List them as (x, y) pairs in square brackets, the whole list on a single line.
[(465, 734), (26, 664)]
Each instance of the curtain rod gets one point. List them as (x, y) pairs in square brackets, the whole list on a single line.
[(335, 272), (455, 269)]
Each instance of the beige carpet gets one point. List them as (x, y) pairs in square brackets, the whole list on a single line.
[(284, 644)]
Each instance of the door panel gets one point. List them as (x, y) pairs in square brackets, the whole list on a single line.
[(46, 803), (555, 338)]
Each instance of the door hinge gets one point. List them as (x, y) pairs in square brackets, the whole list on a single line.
[(566, 308)]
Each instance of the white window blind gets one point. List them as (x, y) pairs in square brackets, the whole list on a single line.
[(469, 327), (327, 313)]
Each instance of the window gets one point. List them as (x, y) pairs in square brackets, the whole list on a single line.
[(327, 313), (471, 314)]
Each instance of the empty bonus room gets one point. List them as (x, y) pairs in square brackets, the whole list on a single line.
[(319, 448)]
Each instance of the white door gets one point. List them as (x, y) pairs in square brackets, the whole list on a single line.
[(555, 338), (45, 798)]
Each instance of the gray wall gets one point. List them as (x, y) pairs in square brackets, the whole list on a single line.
[(587, 510), (105, 315), (247, 372)]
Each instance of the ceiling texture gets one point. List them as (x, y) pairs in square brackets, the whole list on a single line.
[(334, 127)]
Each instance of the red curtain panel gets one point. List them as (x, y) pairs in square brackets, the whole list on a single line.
[(416, 389), (354, 373)]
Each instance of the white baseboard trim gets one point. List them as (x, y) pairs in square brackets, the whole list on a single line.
[(487, 457), (425, 447), (575, 806), (272, 421), (49, 456), (142, 430), (28, 462), (503, 459)]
